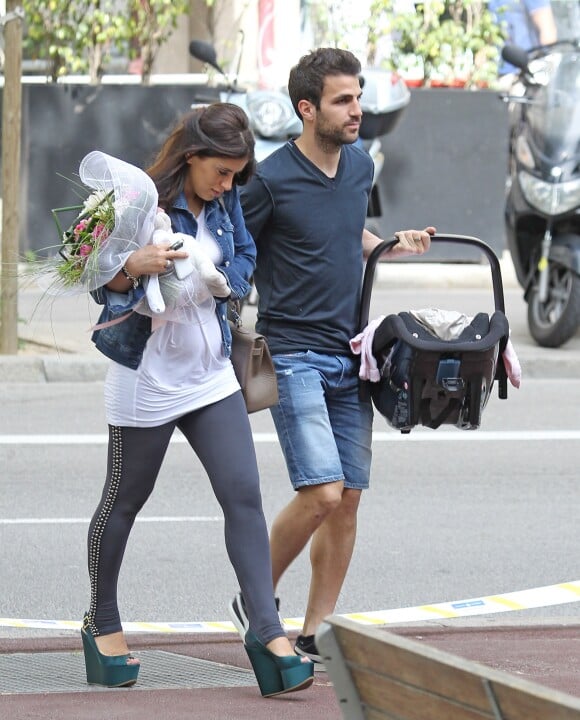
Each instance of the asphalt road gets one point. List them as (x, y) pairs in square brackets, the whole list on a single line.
[(450, 515)]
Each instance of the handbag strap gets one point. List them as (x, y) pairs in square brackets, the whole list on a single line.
[(235, 312)]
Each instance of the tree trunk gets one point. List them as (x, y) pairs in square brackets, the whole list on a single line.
[(11, 137)]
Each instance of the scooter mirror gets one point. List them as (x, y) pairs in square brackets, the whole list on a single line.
[(516, 56), (205, 52)]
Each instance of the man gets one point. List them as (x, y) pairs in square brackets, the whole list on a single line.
[(529, 24), (306, 209)]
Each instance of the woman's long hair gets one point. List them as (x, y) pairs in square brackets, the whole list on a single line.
[(216, 130)]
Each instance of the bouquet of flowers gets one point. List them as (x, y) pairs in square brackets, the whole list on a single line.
[(84, 238), (118, 217)]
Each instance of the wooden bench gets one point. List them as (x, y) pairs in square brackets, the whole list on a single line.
[(378, 675)]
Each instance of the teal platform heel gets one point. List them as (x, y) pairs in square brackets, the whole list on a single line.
[(108, 670), (277, 675)]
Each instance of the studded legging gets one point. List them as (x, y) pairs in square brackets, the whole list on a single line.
[(221, 437)]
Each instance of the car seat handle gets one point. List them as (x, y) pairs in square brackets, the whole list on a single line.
[(388, 245)]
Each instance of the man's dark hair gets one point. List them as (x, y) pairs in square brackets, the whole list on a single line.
[(306, 81)]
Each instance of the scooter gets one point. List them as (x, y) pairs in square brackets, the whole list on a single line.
[(385, 97), (542, 210)]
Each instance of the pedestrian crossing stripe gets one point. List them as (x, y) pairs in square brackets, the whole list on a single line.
[(547, 596)]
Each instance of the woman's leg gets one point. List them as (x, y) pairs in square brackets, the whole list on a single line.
[(221, 436), (134, 458)]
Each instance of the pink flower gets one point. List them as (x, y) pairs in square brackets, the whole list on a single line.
[(85, 250), (100, 233), (80, 227)]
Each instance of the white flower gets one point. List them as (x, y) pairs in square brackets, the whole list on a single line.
[(94, 200), (120, 205)]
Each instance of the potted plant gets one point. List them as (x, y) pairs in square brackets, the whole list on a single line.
[(453, 43)]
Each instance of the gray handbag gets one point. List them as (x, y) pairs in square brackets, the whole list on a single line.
[(253, 366)]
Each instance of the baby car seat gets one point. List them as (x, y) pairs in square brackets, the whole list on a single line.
[(430, 382), (425, 380)]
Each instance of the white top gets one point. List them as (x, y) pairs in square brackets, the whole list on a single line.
[(182, 369)]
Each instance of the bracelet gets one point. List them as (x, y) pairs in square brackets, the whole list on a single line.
[(134, 280)]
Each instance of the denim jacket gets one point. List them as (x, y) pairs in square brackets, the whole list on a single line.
[(124, 342)]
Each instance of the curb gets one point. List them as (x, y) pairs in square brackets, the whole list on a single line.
[(69, 361), (538, 363), (52, 368), (409, 274)]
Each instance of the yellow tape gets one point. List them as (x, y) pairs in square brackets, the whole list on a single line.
[(438, 611), (547, 596), (510, 604)]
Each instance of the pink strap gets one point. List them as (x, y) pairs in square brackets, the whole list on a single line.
[(512, 365), (110, 323)]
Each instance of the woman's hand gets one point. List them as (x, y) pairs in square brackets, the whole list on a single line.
[(152, 259), (147, 260)]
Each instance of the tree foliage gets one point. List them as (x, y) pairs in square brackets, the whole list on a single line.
[(79, 36), (150, 24), (455, 40), (51, 34), (451, 40)]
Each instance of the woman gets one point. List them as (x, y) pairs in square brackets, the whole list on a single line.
[(177, 373)]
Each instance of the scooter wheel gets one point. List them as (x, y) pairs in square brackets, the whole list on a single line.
[(555, 321)]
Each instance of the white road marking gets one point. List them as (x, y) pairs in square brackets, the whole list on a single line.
[(86, 521), (419, 435)]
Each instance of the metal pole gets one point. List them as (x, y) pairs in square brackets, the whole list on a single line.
[(11, 132)]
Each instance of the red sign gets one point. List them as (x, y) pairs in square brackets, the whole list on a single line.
[(265, 42)]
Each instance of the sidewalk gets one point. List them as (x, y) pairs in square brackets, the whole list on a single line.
[(56, 345), (207, 677)]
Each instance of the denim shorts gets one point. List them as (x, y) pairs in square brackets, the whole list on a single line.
[(324, 429)]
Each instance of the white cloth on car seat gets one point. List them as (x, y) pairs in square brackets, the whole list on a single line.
[(444, 324)]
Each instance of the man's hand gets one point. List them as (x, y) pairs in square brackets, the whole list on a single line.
[(412, 242)]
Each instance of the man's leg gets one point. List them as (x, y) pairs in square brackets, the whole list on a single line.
[(310, 451), (333, 543), (296, 523), (330, 555), (325, 433)]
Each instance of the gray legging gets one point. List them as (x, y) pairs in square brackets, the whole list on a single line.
[(220, 435)]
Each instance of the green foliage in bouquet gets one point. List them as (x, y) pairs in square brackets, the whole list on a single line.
[(84, 238)]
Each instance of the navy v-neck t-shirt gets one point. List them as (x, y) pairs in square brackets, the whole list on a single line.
[(308, 231)]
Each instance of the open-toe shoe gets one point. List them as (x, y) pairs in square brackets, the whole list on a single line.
[(277, 674), (107, 670)]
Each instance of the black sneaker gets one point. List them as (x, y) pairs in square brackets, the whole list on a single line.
[(306, 647), (239, 614)]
